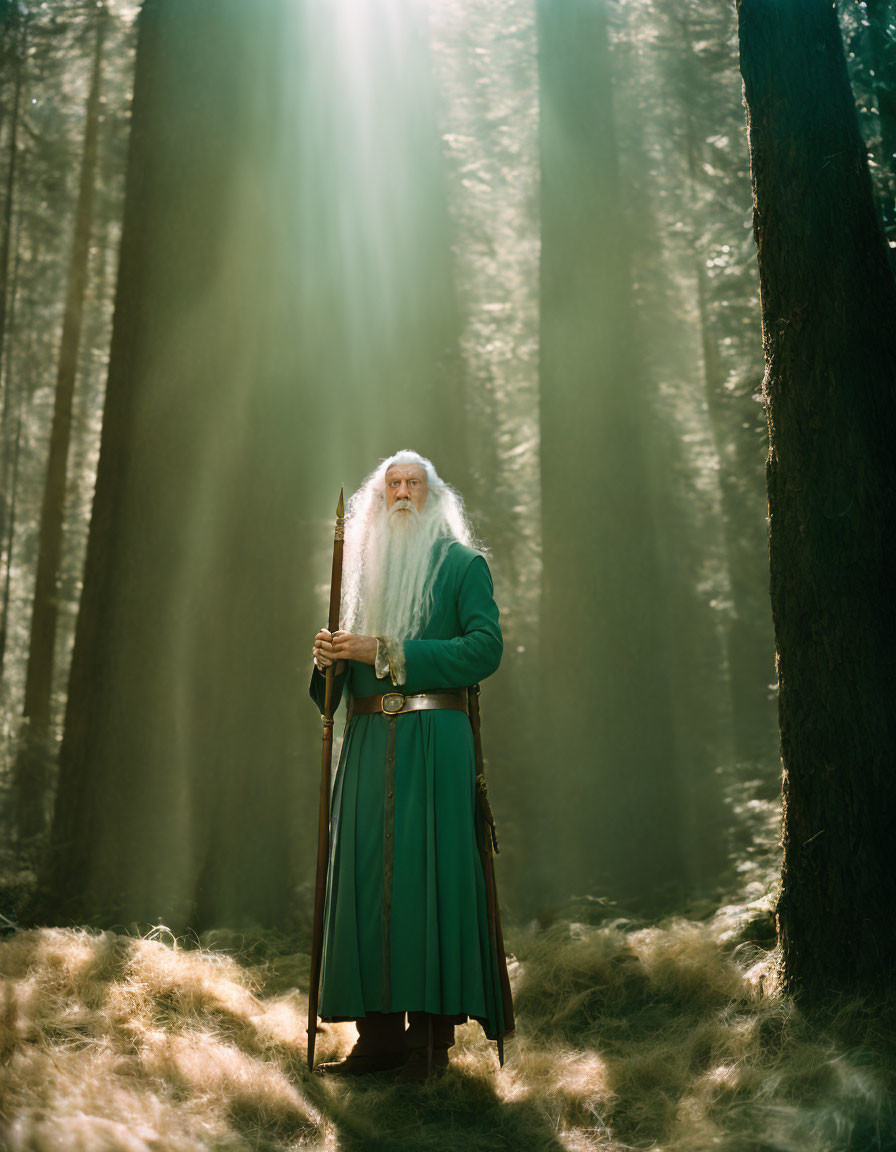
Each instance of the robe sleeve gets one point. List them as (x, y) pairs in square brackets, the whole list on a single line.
[(319, 683), (476, 653)]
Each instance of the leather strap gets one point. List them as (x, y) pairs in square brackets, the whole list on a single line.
[(396, 703)]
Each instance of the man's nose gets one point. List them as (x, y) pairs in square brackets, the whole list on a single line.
[(403, 491)]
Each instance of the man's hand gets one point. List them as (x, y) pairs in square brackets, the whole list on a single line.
[(351, 646), (324, 654), (341, 646)]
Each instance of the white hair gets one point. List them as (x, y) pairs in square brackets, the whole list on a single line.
[(390, 563)]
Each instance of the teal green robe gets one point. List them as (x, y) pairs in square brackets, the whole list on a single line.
[(405, 924)]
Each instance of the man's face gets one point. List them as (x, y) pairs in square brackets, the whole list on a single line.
[(406, 484)]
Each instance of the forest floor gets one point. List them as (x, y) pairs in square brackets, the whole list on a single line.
[(664, 1036)]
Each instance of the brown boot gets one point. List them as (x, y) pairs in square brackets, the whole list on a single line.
[(428, 1039), (379, 1047)]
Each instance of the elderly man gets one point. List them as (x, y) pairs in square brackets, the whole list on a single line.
[(405, 922)]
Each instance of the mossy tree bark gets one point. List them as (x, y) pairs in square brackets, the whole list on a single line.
[(829, 333)]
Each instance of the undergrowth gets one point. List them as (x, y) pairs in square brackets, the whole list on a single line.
[(669, 1036)]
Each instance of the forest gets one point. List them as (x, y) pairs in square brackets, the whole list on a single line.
[(623, 270)]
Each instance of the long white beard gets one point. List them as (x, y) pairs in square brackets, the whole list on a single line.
[(399, 571)]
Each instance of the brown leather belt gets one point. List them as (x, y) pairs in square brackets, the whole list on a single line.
[(395, 703)]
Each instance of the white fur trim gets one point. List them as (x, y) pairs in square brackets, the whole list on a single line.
[(381, 665), (397, 668)]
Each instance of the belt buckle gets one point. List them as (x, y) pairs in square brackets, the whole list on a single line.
[(392, 703)]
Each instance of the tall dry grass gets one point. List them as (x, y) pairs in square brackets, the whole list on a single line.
[(668, 1036)]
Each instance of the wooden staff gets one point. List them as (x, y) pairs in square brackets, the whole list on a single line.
[(323, 823), (488, 841)]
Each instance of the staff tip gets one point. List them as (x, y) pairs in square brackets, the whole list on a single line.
[(340, 507)]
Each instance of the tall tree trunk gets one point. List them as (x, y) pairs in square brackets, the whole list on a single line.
[(829, 333), (6, 439), (6, 235), (613, 827), (11, 474), (31, 773), (124, 841), (8, 541)]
